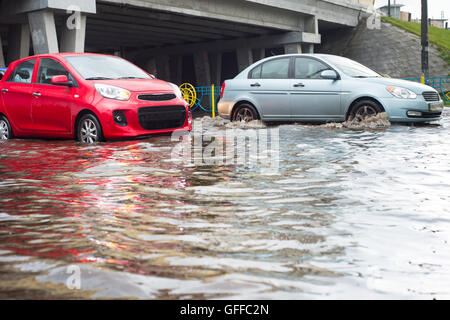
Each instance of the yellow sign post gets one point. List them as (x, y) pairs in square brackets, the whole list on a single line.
[(213, 102), (422, 79)]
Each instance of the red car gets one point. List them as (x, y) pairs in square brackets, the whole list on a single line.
[(89, 97)]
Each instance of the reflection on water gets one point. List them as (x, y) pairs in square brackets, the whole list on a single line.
[(353, 214)]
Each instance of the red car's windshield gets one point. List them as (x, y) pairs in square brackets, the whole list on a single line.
[(93, 67)]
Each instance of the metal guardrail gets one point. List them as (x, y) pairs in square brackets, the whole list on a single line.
[(212, 93), (437, 83)]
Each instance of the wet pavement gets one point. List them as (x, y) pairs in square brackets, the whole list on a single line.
[(351, 214)]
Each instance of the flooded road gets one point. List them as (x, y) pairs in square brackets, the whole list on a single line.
[(351, 214)]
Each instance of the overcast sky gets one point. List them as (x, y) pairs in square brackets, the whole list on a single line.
[(435, 7)]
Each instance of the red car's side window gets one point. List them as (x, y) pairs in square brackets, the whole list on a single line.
[(49, 68), (23, 73)]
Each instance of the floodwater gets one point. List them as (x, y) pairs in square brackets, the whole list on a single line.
[(350, 214)]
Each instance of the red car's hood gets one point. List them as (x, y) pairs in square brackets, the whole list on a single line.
[(140, 85)]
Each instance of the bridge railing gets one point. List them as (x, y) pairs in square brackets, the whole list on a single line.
[(439, 83)]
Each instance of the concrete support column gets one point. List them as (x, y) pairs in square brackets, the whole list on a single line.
[(43, 31), (2, 57), (216, 68), (202, 69), (163, 67), (18, 42), (176, 69), (308, 48), (150, 66), (244, 58), (312, 25), (73, 35), (259, 54), (293, 48)]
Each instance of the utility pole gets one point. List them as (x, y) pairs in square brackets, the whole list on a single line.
[(425, 44), (389, 8)]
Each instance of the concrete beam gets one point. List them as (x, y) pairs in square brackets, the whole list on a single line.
[(230, 28), (343, 12), (43, 31), (167, 27), (237, 11), (244, 57), (119, 33), (139, 29), (218, 46), (18, 42), (73, 35), (25, 6), (202, 69), (175, 22)]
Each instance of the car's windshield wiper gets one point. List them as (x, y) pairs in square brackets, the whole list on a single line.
[(130, 78), (99, 78)]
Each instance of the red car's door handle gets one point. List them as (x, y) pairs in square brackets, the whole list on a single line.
[(36, 94)]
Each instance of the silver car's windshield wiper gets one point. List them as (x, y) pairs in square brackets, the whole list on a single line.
[(99, 78)]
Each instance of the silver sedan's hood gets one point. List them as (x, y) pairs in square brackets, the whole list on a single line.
[(415, 87)]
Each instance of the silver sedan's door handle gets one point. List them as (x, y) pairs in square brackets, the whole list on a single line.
[(255, 85), (299, 85), (36, 94), (4, 90)]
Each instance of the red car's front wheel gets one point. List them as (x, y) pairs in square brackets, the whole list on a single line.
[(89, 129), (5, 129)]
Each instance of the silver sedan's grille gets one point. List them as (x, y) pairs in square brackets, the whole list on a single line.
[(430, 96)]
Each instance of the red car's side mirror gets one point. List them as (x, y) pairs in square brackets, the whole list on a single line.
[(61, 80)]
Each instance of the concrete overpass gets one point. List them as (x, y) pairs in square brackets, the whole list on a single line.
[(200, 41)]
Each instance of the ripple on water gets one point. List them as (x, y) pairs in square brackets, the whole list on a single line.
[(352, 213)]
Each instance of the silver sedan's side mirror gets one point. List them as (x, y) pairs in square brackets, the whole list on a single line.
[(329, 74)]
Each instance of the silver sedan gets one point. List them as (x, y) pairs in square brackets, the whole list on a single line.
[(320, 87)]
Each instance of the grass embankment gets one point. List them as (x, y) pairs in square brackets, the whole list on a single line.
[(437, 36)]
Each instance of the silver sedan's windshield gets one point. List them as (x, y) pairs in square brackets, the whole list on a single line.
[(97, 67), (352, 68)]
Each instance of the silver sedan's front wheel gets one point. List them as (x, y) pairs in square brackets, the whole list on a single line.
[(5, 129), (363, 110), (89, 129)]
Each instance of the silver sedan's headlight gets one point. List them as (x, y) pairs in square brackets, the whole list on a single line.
[(112, 92), (401, 93)]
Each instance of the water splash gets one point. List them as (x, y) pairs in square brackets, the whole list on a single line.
[(376, 122), (219, 122)]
